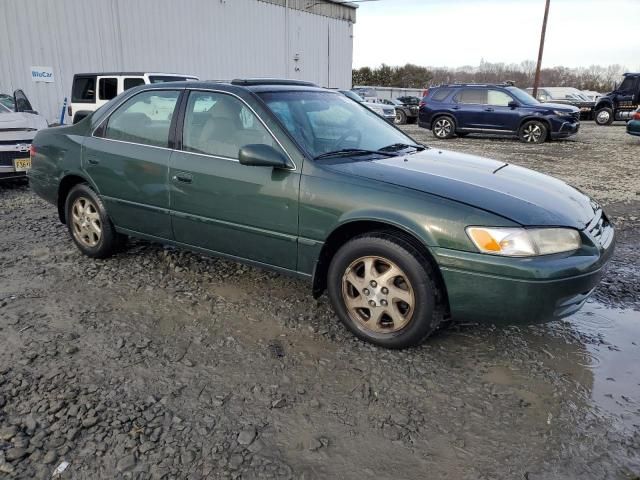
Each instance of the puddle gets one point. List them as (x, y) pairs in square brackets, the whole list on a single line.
[(613, 356)]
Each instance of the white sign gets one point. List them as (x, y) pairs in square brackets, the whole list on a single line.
[(42, 74)]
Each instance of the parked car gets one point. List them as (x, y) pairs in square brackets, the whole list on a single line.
[(404, 113), (304, 181), (633, 125), (592, 95), (386, 112), (18, 125), (566, 96), (367, 93), (90, 91), (409, 100), (621, 103), (460, 109)]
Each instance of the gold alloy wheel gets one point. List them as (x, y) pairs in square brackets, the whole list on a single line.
[(87, 227), (378, 295)]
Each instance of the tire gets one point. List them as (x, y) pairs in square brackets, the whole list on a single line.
[(401, 117), (604, 116), (412, 322), (89, 225), (443, 127), (533, 131)]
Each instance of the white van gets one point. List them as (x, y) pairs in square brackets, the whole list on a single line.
[(92, 90)]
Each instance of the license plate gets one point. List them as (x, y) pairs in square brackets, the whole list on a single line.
[(22, 164)]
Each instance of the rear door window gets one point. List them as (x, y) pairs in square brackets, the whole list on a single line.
[(84, 89), (474, 96), (132, 82), (144, 118), (440, 94), (108, 88)]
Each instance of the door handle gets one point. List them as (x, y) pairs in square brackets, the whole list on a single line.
[(93, 160), (455, 107), (183, 177), (488, 109)]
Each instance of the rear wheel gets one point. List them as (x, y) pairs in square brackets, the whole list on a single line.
[(89, 225), (604, 116), (401, 117), (383, 291), (443, 127), (533, 132)]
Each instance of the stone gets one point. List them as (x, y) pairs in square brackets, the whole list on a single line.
[(7, 433), (126, 463), (188, 457), (16, 454), (235, 461), (89, 422), (50, 457), (247, 436)]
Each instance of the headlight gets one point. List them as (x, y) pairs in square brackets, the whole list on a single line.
[(563, 114), (521, 242), (378, 110)]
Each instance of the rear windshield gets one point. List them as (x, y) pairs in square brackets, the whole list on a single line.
[(168, 78), (84, 90)]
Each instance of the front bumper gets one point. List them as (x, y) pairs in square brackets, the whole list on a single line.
[(499, 290), (566, 130), (8, 154)]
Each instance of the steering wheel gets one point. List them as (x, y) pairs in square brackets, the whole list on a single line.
[(354, 131)]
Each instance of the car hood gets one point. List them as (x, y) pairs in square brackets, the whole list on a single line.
[(516, 193), (564, 107), (21, 121)]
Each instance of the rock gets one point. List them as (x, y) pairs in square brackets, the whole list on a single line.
[(71, 350), (126, 463), (279, 403), (50, 457), (16, 454), (247, 436), (187, 457), (7, 433), (256, 446), (7, 468), (314, 444), (235, 461), (89, 422), (146, 446)]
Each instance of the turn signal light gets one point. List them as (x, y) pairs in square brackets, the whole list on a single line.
[(32, 151)]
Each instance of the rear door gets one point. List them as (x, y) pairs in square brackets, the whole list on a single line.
[(220, 205), (127, 158), (498, 115), (470, 107)]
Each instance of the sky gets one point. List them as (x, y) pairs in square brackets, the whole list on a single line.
[(462, 32)]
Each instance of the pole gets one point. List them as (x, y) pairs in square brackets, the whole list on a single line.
[(536, 82)]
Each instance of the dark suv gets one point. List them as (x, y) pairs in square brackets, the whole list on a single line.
[(461, 109)]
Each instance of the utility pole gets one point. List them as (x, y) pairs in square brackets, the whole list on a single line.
[(536, 82)]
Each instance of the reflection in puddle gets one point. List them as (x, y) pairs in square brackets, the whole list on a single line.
[(612, 353)]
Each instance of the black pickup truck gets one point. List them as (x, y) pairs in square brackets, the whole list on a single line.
[(621, 103)]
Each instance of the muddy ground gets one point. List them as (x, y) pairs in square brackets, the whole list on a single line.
[(160, 363)]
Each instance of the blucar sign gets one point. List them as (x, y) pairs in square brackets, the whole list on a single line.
[(42, 74)]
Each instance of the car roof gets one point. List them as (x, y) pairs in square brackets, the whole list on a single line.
[(102, 74), (255, 86)]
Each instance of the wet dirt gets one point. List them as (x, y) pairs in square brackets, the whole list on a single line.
[(159, 363)]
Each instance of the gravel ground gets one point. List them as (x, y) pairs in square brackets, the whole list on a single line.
[(161, 363)]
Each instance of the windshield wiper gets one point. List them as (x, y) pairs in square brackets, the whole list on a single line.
[(394, 147), (346, 152)]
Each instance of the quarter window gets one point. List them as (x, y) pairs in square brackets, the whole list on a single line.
[(145, 118), (219, 124), (108, 88), (84, 90), (441, 94), (472, 95), (498, 98)]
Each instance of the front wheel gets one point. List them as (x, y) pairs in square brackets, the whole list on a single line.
[(383, 291), (604, 116), (89, 225), (401, 117), (533, 132)]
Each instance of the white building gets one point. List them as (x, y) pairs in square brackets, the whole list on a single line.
[(212, 39)]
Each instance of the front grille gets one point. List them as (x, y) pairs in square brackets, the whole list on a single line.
[(576, 116), (7, 158), (600, 229)]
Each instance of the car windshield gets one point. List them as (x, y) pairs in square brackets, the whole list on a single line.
[(522, 96), (6, 103), (323, 122)]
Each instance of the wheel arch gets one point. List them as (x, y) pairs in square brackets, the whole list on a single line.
[(604, 102), (352, 228), (544, 120), (437, 115), (67, 182)]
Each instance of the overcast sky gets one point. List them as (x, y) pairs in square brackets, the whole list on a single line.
[(461, 32)]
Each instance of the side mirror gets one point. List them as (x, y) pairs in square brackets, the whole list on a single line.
[(260, 155), (513, 104)]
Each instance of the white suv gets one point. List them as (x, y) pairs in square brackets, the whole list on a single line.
[(92, 90)]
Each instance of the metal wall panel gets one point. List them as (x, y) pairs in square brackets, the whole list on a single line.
[(213, 39)]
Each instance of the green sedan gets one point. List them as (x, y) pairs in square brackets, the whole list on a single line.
[(303, 180), (633, 125)]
